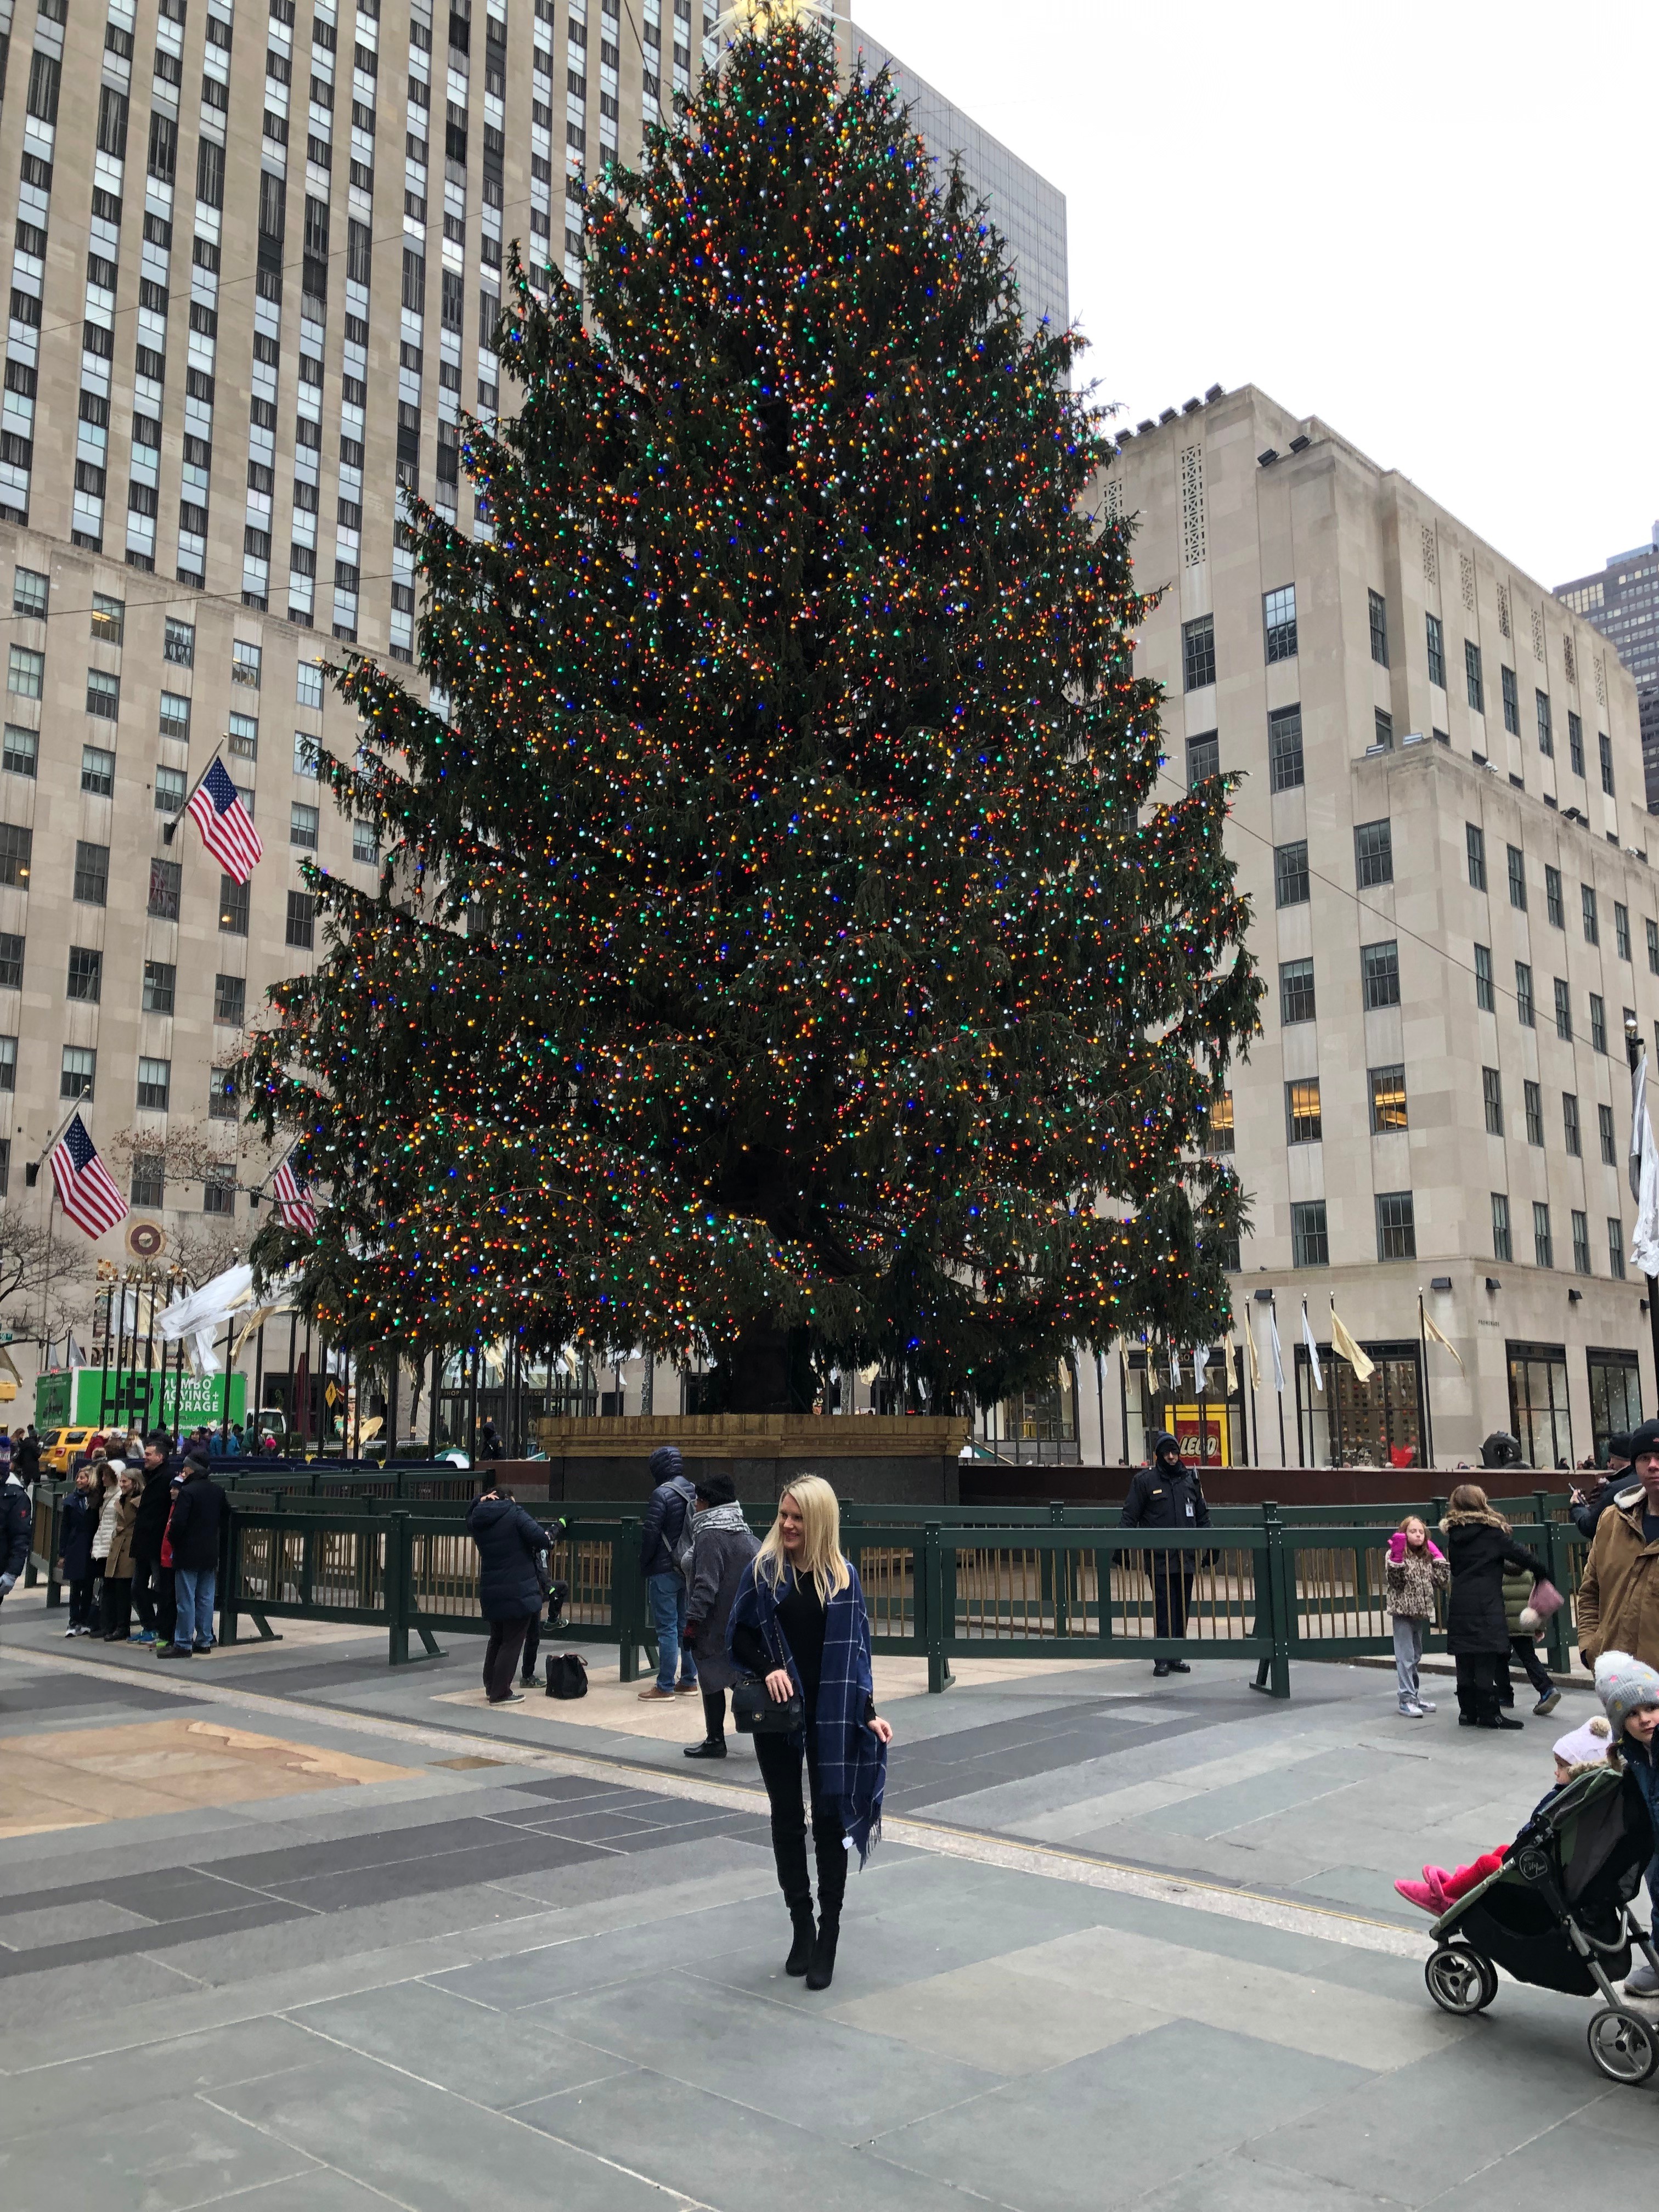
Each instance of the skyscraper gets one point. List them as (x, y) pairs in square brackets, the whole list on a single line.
[(1623, 603)]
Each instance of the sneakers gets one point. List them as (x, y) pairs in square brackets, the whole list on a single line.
[(70, 1630), (513, 1698), (1413, 1711), (1642, 1981), (142, 1636), (1425, 1704), (655, 1695), (1546, 1704), (691, 1689)]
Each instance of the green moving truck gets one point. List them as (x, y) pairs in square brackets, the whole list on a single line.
[(89, 1397)]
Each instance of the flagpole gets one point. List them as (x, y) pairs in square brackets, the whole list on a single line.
[(167, 828), (1428, 1408), (1634, 1052), (1279, 1385)]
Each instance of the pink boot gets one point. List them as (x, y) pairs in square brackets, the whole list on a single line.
[(1434, 1881), (1420, 1894)]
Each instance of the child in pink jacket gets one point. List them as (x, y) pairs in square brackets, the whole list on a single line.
[(1416, 1570)]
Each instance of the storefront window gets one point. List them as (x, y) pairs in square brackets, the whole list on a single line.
[(1538, 1403), (1615, 1396), (1376, 1423)]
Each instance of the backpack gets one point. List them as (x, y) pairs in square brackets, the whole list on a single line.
[(567, 1674)]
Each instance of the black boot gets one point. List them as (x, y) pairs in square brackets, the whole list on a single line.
[(831, 1853), (1160, 1670), (800, 1951), (712, 1746), (789, 1854), (822, 1972)]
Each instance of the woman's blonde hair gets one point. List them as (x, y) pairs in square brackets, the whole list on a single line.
[(821, 1555)]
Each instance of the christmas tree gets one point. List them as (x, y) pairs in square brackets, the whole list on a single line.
[(778, 954)]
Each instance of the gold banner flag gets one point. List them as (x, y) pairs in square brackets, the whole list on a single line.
[(1438, 1335), (1341, 1342)]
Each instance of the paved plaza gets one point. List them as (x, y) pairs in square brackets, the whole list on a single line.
[(286, 1929)]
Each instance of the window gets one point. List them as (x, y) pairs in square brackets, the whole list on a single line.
[(1592, 927), (86, 974), (1484, 996), (175, 714), (1379, 974), (1502, 1245), (245, 737), (1524, 1009), (166, 877), (1472, 678), (1546, 734), (25, 670), (11, 964), (1295, 991), (1598, 1023), (302, 826), (1474, 845), (305, 757), (149, 1178), (1652, 929), (1532, 1097), (22, 751), (103, 695), (171, 785), (229, 997), (1604, 748), (1379, 609), (1387, 1100), (160, 979), (1290, 874), (1198, 652), (1284, 749), (109, 619), (1621, 929), (15, 847), (1512, 701), (301, 920), (1396, 1226), (1575, 743), (97, 771), (1554, 906), (1563, 1011), (1609, 1141), (91, 873), (245, 666), (1310, 1245), (219, 1190), (365, 843), (1302, 1117), (1538, 1403), (154, 1081), (179, 645), (222, 1094), (1570, 1126), (1517, 877), (1436, 651), (1383, 724), (29, 588), (308, 684), (1543, 1242), (1373, 848), (233, 907), (1279, 621), (79, 1069), (1581, 1259), (1491, 1093), (1218, 1138), (1615, 1248)]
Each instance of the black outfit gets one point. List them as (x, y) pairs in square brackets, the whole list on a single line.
[(16, 1528), (1478, 1548), (25, 1459), (197, 1520), (1168, 1494), (1585, 1516), (155, 1502), (800, 1616), (118, 1608), (78, 1525), (509, 1589)]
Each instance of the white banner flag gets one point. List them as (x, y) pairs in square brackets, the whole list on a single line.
[(1312, 1349), (1200, 1368), (1278, 1357), (1643, 1175)]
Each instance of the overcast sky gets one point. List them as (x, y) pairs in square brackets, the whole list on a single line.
[(1431, 224)]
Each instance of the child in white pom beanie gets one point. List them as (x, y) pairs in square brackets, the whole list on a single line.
[(1629, 1690)]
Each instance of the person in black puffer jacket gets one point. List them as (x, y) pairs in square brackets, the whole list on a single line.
[(1479, 1546), (1168, 1494), (509, 1590)]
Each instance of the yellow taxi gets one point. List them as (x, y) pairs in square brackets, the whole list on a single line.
[(61, 1448)]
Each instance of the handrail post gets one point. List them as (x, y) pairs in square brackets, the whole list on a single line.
[(1273, 1585), (1555, 1635), (233, 1581), (937, 1672), (398, 1575), (627, 1598)]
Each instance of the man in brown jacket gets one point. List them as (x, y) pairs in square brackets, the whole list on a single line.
[(1618, 1595)]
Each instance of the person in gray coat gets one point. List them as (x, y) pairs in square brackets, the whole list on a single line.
[(722, 1545)]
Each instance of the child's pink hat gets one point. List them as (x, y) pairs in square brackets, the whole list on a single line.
[(1583, 1747)]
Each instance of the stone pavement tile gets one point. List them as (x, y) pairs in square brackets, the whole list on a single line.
[(1365, 1887), (102, 2090), (178, 2152), (709, 2035), (1580, 2157), (993, 2015), (1234, 2183), (1110, 2128), (1242, 1858), (720, 2150), (494, 2059), (43, 2004), (221, 1923), (319, 2189), (1263, 1797), (42, 1924), (426, 2148), (621, 1873), (502, 1851), (556, 1970)]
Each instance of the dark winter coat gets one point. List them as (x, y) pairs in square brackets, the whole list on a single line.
[(1479, 1547), (510, 1543), (1168, 1494), (664, 1525), (723, 1544), (154, 1501), (1585, 1516), (26, 1458), (197, 1519), (77, 1524), (16, 1528)]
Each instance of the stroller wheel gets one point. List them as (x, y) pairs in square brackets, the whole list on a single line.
[(1460, 1980), (1624, 2046)]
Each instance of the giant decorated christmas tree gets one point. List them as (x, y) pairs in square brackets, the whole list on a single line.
[(780, 955)]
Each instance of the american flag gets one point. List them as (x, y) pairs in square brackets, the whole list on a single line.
[(84, 1189), (226, 825), (293, 1200)]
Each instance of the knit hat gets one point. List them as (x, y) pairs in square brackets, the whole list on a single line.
[(1644, 1439), (715, 1489), (1625, 1685), (1583, 1747), (666, 1463)]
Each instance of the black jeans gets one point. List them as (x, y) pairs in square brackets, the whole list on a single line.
[(501, 1655), (713, 1716), (1523, 1653), (166, 1606), (1172, 1593), (1480, 1683), (82, 1601), (779, 1757), (118, 1605), (145, 1572)]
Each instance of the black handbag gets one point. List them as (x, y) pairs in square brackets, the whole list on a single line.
[(756, 1712), (567, 1674)]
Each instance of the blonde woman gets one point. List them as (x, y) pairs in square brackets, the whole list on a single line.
[(798, 1621)]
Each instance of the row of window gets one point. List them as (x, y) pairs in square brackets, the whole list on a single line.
[(1543, 1238), (1474, 840), (1373, 859), (86, 981), (79, 1076), (1485, 998), (30, 592), (1397, 1230)]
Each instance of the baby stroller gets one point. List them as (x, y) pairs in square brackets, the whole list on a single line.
[(1557, 1914)]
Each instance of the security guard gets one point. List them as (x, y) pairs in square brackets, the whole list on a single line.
[(1168, 1495)]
